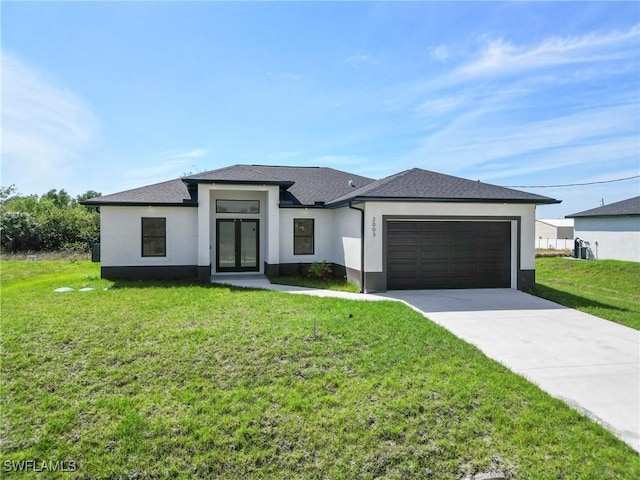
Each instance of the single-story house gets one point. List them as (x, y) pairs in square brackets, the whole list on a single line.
[(556, 233), (415, 229), (554, 228), (613, 231)]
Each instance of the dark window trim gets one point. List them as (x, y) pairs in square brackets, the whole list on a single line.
[(312, 236), (143, 237), (232, 200)]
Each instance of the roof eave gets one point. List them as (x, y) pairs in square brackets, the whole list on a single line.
[(193, 181), (361, 199), (138, 204), (575, 215)]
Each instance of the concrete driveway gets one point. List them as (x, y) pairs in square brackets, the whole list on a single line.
[(590, 363)]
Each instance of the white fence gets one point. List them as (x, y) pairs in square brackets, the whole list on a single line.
[(555, 243)]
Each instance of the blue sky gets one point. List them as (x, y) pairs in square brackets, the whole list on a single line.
[(110, 96)]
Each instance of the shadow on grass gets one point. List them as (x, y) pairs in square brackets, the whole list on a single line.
[(569, 299), (130, 284)]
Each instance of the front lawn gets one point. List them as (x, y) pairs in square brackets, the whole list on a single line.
[(156, 380), (330, 284), (609, 289)]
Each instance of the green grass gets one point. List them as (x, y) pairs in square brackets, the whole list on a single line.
[(331, 284), (609, 289), (156, 380)]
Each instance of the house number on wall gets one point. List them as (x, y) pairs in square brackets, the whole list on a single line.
[(373, 226)]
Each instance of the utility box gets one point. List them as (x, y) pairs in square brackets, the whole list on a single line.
[(95, 252)]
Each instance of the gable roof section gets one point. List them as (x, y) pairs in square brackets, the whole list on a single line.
[(302, 186), (319, 186), (171, 193), (423, 185), (629, 207)]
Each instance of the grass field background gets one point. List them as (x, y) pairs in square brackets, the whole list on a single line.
[(609, 289), (151, 380)]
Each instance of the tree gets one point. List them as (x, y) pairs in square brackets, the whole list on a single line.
[(87, 195), (60, 199), (6, 193), (53, 221), (19, 232)]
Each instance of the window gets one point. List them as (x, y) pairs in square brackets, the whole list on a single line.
[(154, 237), (303, 236), (237, 206)]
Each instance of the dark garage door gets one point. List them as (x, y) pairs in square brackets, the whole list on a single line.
[(448, 255)]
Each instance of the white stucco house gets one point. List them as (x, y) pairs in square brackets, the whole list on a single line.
[(554, 228), (554, 233), (414, 229), (613, 231)]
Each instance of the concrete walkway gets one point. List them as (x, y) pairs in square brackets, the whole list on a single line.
[(590, 363)]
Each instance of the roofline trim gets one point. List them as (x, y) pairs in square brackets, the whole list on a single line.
[(359, 199), (604, 216), (137, 204), (283, 183)]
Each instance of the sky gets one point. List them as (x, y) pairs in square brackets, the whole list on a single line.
[(109, 96)]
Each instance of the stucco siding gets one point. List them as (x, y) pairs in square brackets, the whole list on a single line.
[(618, 238), (121, 231), (374, 260), (347, 237), (544, 230), (323, 235)]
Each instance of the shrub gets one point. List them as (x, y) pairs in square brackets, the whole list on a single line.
[(319, 270), (18, 232)]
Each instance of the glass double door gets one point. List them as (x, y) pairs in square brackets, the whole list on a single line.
[(237, 245)]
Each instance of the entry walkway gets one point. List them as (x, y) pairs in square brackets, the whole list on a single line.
[(590, 363)]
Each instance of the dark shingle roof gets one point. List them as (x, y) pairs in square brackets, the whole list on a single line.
[(310, 185), (302, 185), (631, 206), (425, 185), (306, 185), (241, 174), (172, 192)]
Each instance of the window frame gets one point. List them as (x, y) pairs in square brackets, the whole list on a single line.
[(249, 212), (144, 237), (312, 236)]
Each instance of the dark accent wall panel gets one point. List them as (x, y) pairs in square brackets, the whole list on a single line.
[(165, 272)]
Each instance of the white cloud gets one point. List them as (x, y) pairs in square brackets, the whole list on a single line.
[(501, 57), (441, 52), (46, 129), (604, 151), (360, 60), (165, 165), (440, 105), (475, 139)]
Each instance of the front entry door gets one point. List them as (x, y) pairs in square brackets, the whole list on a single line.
[(237, 245)]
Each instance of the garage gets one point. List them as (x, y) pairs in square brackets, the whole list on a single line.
[(448, 254)]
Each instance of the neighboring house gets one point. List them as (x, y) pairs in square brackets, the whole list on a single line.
[(554, 228), (415, 229), (613, 231), (554, 233)]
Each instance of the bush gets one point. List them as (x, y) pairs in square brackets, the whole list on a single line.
[(52, 222), (18, 232), (319, 271)]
